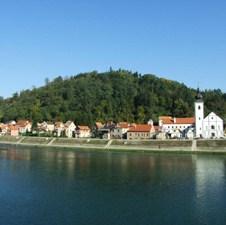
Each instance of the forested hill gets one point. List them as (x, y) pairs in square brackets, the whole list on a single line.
[(114, 95)]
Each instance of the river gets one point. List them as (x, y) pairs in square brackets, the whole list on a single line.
[(40, 187)]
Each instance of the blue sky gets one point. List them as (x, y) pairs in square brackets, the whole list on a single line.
[(178, 40)]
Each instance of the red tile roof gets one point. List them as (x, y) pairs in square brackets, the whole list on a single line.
[(83, 127), (123, 125), (171, 120), (141, 128)]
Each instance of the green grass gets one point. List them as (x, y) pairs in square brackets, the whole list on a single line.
[(70, 141), (153, 143), (211, 143), (36, 140), (9, 138)]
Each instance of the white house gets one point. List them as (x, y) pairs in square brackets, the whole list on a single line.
[(210, 126), (177, 127), (46, 127), (69, 129), (24, 126)]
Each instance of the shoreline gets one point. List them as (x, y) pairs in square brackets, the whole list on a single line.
[(152, 146)]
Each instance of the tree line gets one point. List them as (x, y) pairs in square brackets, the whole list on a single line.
[(116, 95)]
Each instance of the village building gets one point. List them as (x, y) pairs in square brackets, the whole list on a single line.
[(3, 129), (83, 132), (105, 131), (13, 130), (24, 126), (140, 131), (173, 127), (48, 127), (69, 129), (120, 131), (211, 126), (59, 129)]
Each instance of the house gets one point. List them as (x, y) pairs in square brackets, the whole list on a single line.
[(13, 130), (46, 127), (174, 127), (105, 131), (140, 131), (120, 131), (24, 126), (83, 131), (212, 126), (3, 129), (98, 125), (69, 129), (59, 129)]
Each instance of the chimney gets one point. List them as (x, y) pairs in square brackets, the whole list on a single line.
[(174, 120)]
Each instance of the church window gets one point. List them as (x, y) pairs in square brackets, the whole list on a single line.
[(199, 107), (212, 127)]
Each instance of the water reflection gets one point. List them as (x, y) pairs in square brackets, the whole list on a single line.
[(210, 184), (95, 187)]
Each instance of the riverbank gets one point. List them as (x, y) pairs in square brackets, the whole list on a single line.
[(183, 146)]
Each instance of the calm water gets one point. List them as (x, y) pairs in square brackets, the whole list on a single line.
[(94, 188)]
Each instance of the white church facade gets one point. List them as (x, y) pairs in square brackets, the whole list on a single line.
[(208, 127)]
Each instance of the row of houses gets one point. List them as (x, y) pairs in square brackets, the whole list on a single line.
[(68, 129), (14, 128)]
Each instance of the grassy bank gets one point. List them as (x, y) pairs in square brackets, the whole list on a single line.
[(120, 145)]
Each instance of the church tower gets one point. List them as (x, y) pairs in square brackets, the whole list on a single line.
[(199, 115)]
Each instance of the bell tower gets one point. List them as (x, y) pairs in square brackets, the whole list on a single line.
[(199, 115)]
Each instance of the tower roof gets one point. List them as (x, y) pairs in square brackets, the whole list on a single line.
[(199, 97)]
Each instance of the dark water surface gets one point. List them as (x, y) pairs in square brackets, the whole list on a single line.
[(40, 187)]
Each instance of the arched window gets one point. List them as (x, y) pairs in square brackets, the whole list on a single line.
[(199, 107), (212, 127)]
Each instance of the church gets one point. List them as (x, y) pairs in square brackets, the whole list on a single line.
[(210, 126)]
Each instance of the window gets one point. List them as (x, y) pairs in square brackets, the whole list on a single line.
[(199, 107), (212, 127)]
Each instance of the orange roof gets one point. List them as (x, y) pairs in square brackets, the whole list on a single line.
[(141, 128), (123, 125), (22, 123), (99, 125), (12, 127), (171, 120), (83, 127)]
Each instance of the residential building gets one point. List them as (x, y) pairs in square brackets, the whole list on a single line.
[(13, 130), (83, 132), (176, 127), (24, 126), (69, 129), (140, 131), (46, 127), (59, 129), (120, 131)]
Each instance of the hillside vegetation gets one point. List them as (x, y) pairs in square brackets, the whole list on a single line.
[(115, 95)]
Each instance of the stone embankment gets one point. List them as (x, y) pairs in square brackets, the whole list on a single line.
[(213, 146)]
